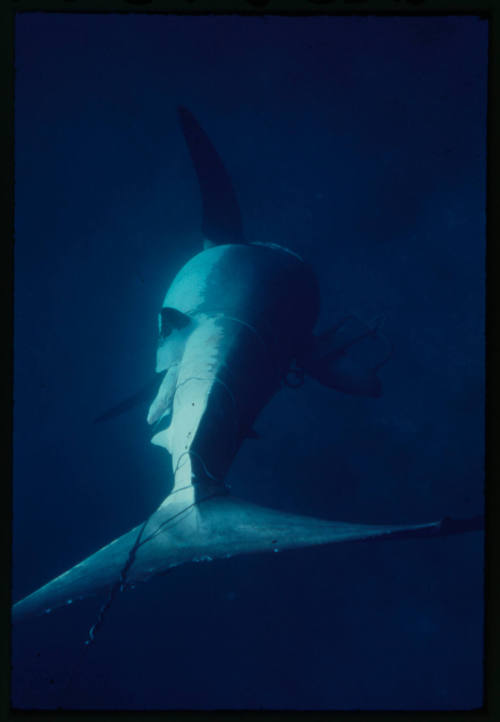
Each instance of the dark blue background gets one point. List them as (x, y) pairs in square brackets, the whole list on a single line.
[(359, 143)]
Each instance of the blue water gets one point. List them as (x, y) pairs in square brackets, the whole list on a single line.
[(360, 144)]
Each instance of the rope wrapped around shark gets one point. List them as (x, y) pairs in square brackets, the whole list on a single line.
[(235, 325)]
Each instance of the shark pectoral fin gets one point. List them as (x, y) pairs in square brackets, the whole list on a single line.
[(166, 539), (250, 528), (347, 358), (214, 526)]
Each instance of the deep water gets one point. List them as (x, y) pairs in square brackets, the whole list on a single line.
[(360, 143)]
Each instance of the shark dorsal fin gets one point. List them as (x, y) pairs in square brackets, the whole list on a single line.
[(221, 213)]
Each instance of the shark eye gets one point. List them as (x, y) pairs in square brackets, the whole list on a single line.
[(171, 320)]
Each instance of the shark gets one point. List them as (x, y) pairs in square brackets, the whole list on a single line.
[(236, 325)]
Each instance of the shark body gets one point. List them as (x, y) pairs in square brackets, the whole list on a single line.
[(237, 317)]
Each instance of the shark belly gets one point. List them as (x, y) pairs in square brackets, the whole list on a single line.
[(249, 309), (225, 377)]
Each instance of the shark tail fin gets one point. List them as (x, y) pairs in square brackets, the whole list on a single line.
[(218, 526), (221, 213)]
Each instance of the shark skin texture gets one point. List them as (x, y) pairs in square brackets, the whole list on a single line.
[(237, 318)]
